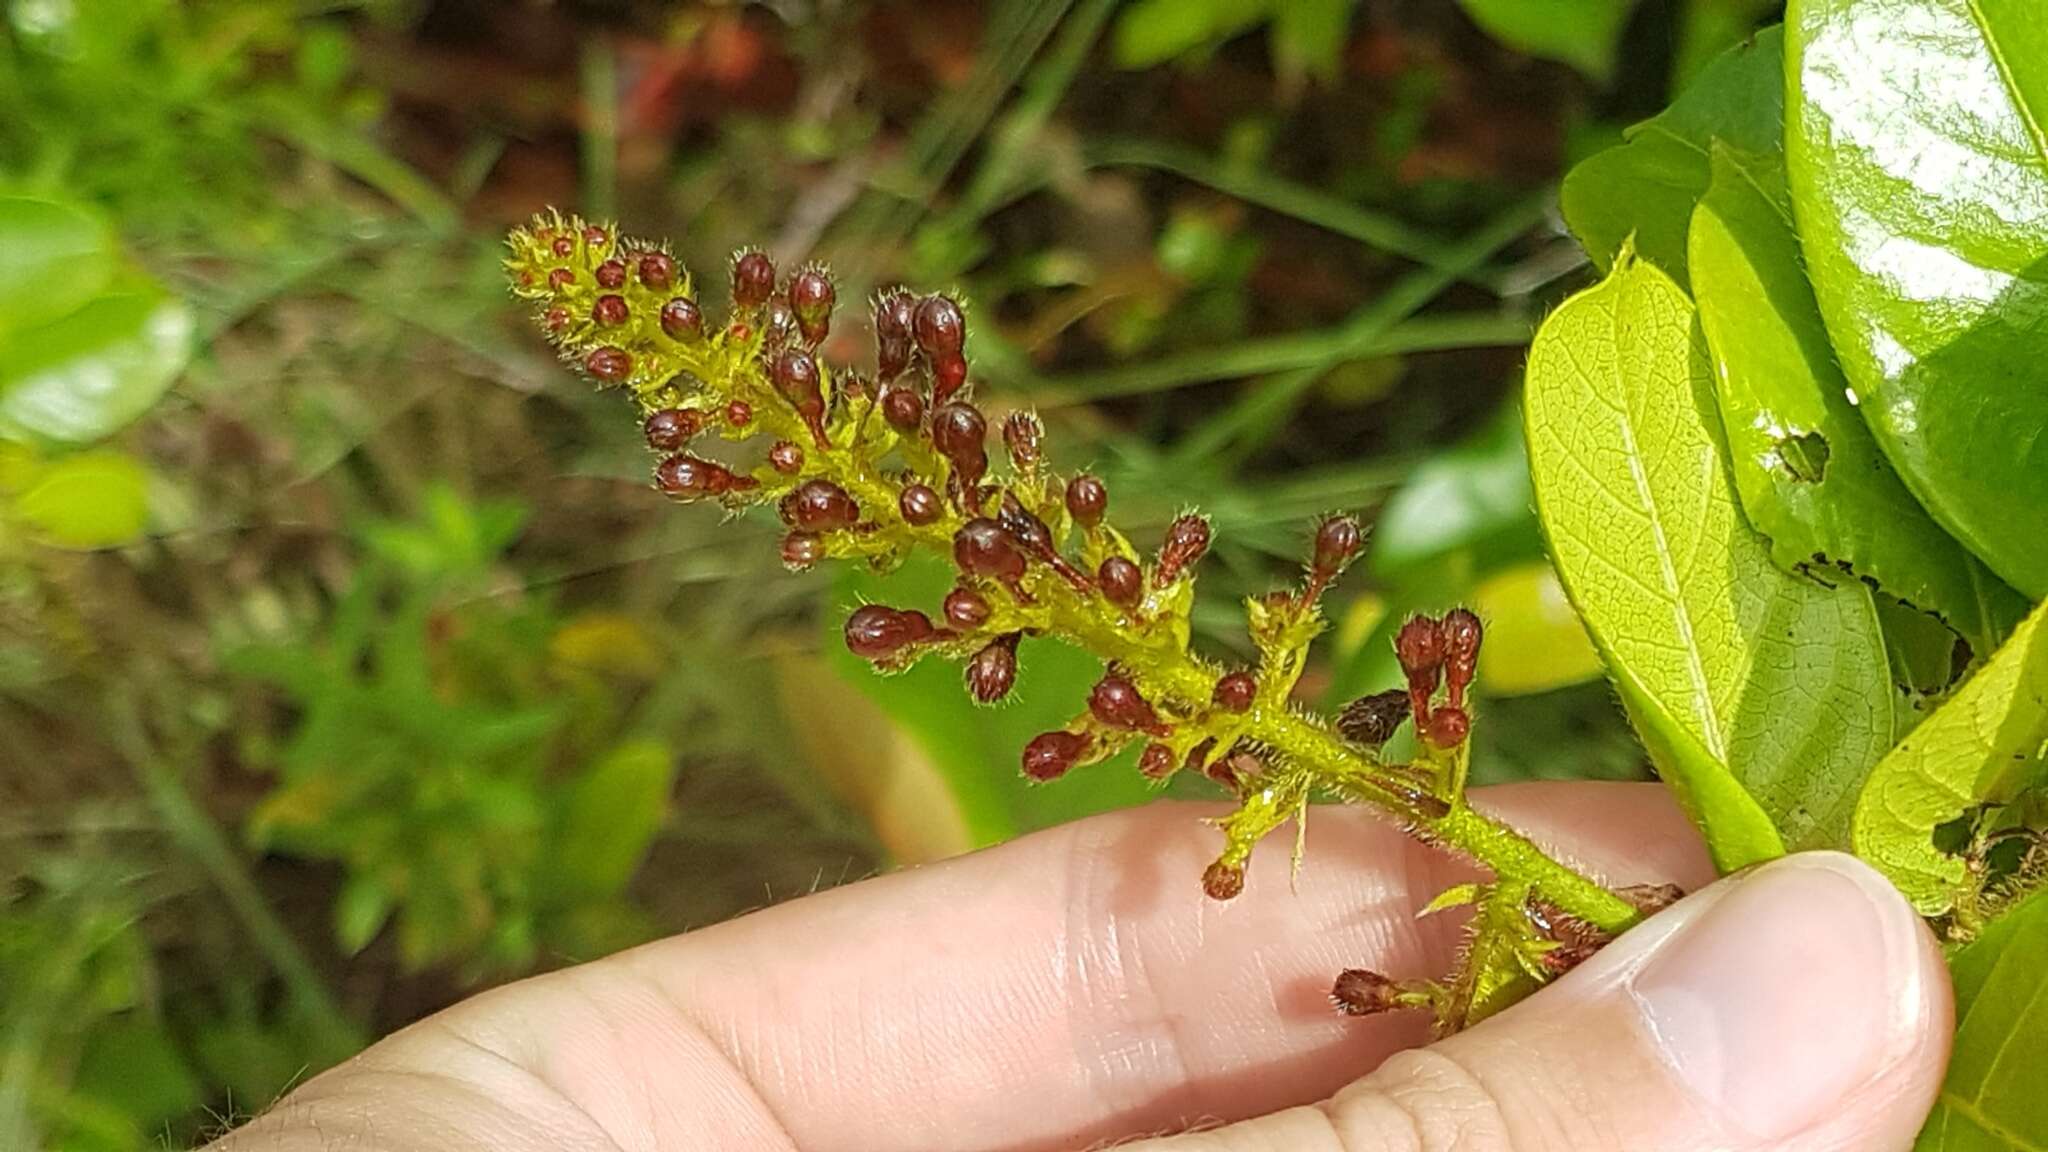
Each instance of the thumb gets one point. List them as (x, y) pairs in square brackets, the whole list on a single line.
[(1797, 1007)]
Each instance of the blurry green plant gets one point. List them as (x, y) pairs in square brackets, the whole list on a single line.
[(455, 746)]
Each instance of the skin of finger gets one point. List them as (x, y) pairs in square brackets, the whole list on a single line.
[(1069, 987)]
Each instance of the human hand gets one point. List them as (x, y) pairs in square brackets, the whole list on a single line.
[(1075, 988)]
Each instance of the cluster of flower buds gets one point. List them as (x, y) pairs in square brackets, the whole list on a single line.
[(1433, 651)]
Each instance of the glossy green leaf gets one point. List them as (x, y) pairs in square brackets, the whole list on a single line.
[(1764, 697), (1810, 475), (1581, 33), (96, 499), (1646, 188), (83, 377), (1983, 745), (1992, 1098), (53, 258), (977, 749), (1918, 158), (610, 819)]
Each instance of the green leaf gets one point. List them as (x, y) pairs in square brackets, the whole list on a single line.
[(1711, 27), (1811, 478), (1991, 1100), (611, 817), (53, 258), (360, 912), (1151, 32), (1581, 33), (1646, 187), (1309, 37), (1764, 697), (83, 377), (977, 749), (132, 1064), (1918, 157), (96, 499), (1982, 746)]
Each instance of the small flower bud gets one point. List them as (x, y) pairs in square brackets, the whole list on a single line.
[(1051, 754), (691, 478), (993, 670), (610, 310), (1223, 881), (960, 435), (1448, 726), (1156, 762), (820, 506), (1372, 720), (940, 328), (1021, 523), (1187, 541), (903, 408), (811, 296), (611, 274), (739, 414), (753, 278), (795, 374), (1087, 498), (609, 364), (557, 318), (668, 429), (560, 278), (919, 504), (965, 609), (564, 246), (681, 319), (1338, 540), (801, 550), (1235, 692), (894, 314), (1461, 632), (597, 236), (1419, 647), (1363, 992), (876, 632), (948, 374), (786, 458), (778, 325), (657, 270), (1122, 582), (1021, 435), (982, 548), (1117, 703)]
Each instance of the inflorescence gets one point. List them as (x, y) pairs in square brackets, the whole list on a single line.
[(871, 468)]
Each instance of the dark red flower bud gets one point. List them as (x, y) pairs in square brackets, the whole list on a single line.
[(820, 506), (1051, 754), (1222, 881), (992, 671), (801, 550), (1156, 762), (1448, 726), (611, 274), (795, 374), (668, 429), (739, 414), (894, 315), (940, 328), (560, 278), (778, 325), (1023, 524), (948, 374), (1363, 992), (1372, 720), (1235, 691), (681, 319), (960, 435), (557, 318), (610, 310), (1338, 540), (657, 270), (753, 278), (1187, 541), (564, 246), (919, 504), (597, 236), (1461, 632), (1116, 702), (609, 364), (1122, 582), (1087, 498), (903, 408), (690, 478), (811, 297), (876, 632), (965, 609), (982, 548), (1419, 647), (786, 458), (1021, 435)]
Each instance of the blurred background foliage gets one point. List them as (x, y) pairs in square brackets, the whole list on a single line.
[(347, 662)]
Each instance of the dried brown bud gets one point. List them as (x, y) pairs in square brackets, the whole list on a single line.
[(993, 670), (1187, 541), (1051, 754), (1363, 992), (1223, 881), (876, 632), (1235, 691), (1021, 435), (1372, 720)]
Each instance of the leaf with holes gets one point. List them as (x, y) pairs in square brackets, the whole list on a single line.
[(1764, 697), (1918, 155), (1983, 746), (1809, 473)]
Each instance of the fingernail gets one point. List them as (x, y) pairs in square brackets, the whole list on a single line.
[(1786, 992)]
